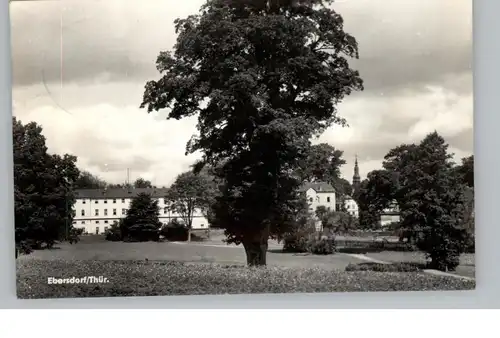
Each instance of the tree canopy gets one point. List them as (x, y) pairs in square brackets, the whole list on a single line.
[(262, 77), (431, 193), (43, 190), (87, 180), (191, 192), (142, 221)]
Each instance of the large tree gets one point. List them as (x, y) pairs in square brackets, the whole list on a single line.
[(43, 190), (189, 193), (263, 77)]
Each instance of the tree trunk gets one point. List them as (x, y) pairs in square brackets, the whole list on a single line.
[(189, 234), (256, 247)]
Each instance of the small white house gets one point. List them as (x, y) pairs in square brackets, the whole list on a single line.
[(96, 209), (319, 194)]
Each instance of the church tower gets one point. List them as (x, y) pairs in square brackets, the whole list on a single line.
[(356, 179)]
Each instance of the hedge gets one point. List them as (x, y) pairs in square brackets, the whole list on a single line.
[(142, 278)]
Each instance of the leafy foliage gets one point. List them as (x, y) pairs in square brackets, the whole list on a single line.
[(191, 192), (142, 222), (175, 231), (86, 180), (271, 74), (114, 233), (142, 183), (337, 222), (43, 190)]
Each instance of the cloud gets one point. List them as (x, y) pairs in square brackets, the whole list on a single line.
[(85, 89)]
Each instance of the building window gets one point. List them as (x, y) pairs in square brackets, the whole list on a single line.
[(96, 201), (328, 199), (165, 210), (97, 212), (105, 222), (124, 211), (165, 201), (105, 201), (114, 212), (317, 199), (83, 212), (114, 200), (82, 222), (105, 229), (202, 225), (97, 222), (84, 202), (123, 200), (310, 199), (97, 230), (105, 212)]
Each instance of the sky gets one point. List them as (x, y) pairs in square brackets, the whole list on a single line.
[(80, 66)]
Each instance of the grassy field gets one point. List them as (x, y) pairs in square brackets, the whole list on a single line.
[(211, 267), (152, 278)]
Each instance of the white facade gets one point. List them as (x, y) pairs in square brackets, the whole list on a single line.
[(95, 214), (320, 198), (351, 207)]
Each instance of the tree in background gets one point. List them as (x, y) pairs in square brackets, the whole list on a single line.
[(43, 190), (322, 164), (431, 198), (191, 192), (142, 183), (337, 222), (272, 74), (376, 193), (142, 221), (86, 180)]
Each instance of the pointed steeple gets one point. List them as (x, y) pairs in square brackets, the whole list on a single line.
[(356, 179)]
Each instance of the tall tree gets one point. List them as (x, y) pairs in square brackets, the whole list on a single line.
[(142, 183), (86, 180), (431, 198), (191, 192), (43, 195), (271, 74), (142, 221)]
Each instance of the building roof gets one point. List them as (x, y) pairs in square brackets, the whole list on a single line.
[(317, 186), (119, 193)]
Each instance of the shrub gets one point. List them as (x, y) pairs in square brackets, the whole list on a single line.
[(113, 233), (379, 267), (174, 231), (143, 232), (323, 246)]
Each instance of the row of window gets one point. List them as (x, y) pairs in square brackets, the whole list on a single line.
[(114, 201), (318, 199), (124, 212)]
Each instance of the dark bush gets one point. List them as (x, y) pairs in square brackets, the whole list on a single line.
[(174, 231), (113, 233), (143, 232), (324, 246), (379, 267)]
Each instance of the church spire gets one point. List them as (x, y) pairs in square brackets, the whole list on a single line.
[(356, 179)]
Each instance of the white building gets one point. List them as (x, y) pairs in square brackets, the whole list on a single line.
[(319, 194), (351, 206), (96, 209)]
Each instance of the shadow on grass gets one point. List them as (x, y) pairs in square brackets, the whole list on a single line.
[(360, 250)]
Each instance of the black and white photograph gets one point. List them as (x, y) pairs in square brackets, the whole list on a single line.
[(216, 147)]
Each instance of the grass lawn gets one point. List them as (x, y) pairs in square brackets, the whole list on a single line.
[(153, 278)]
